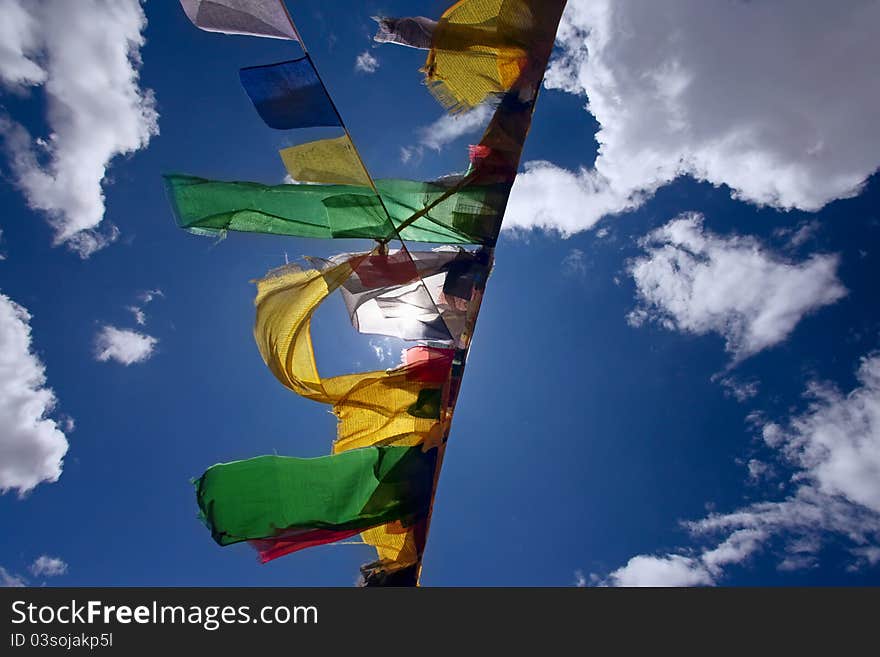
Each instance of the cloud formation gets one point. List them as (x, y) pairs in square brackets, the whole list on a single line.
[(32, 446), (695, 281), (788, 122), (832, 450), (574, 264), (123, 345), (742, 391), (46, 566), (366, 63), (10, 580), (86, 56), (445, 130), (144, 298)]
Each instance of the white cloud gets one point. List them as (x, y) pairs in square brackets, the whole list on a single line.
[(148, 295), (19, 43), (740, 390), (2, 253), (86, 55), (450, 127), (758, 470), (32, 447), (574, 264), (10, 580), (445, 130), (123, 345), (47, 566), (366, 62), (788, 121), (671, 570), (139, 316), (833, 448), (799, 235), (695, 281), (382, 349), (580, 581), (562, 201)]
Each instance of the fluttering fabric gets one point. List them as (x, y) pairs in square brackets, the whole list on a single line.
[(333, 161), (403, 406), (415, 32), (470, 215), (284, 504), (265, 18), (289, 95), (414, 295), (392, 424), (286, 300), (481, 48)]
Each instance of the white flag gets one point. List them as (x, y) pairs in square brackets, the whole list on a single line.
[(423, 300), (266, 18)]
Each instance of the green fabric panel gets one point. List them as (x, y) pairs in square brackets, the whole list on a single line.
[(357, 215), (260, 497), (427, 404), (470, 216)]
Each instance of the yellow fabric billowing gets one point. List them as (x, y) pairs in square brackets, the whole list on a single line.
[(372, 407), (331, 161), (394, 543), (376, 414), (286, 300), (479, 48)]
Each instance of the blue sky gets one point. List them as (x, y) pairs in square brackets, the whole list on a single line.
[(672, 333)]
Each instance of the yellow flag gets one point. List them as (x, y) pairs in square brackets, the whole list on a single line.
[(485, 47), (331, 161)]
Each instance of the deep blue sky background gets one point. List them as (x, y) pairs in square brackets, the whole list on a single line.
[(578, 441)]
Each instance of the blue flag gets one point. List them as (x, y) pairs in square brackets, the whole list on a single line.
[(289, 95)]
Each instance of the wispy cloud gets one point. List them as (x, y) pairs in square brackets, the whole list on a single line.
[(86, 56), (145, 298), (445, 130), (695, 281), (382, 349), (740, 390), (123, 345), (832, 450), (148, 295), (32, 446), (574, 264), (451, 127), (139, 316), (800, 234), (11, 580), (366, 62), (46, 566)]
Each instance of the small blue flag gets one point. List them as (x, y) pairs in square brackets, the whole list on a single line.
[(289, 95)]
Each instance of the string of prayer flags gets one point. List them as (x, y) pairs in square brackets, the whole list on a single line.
[(392, 424)]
